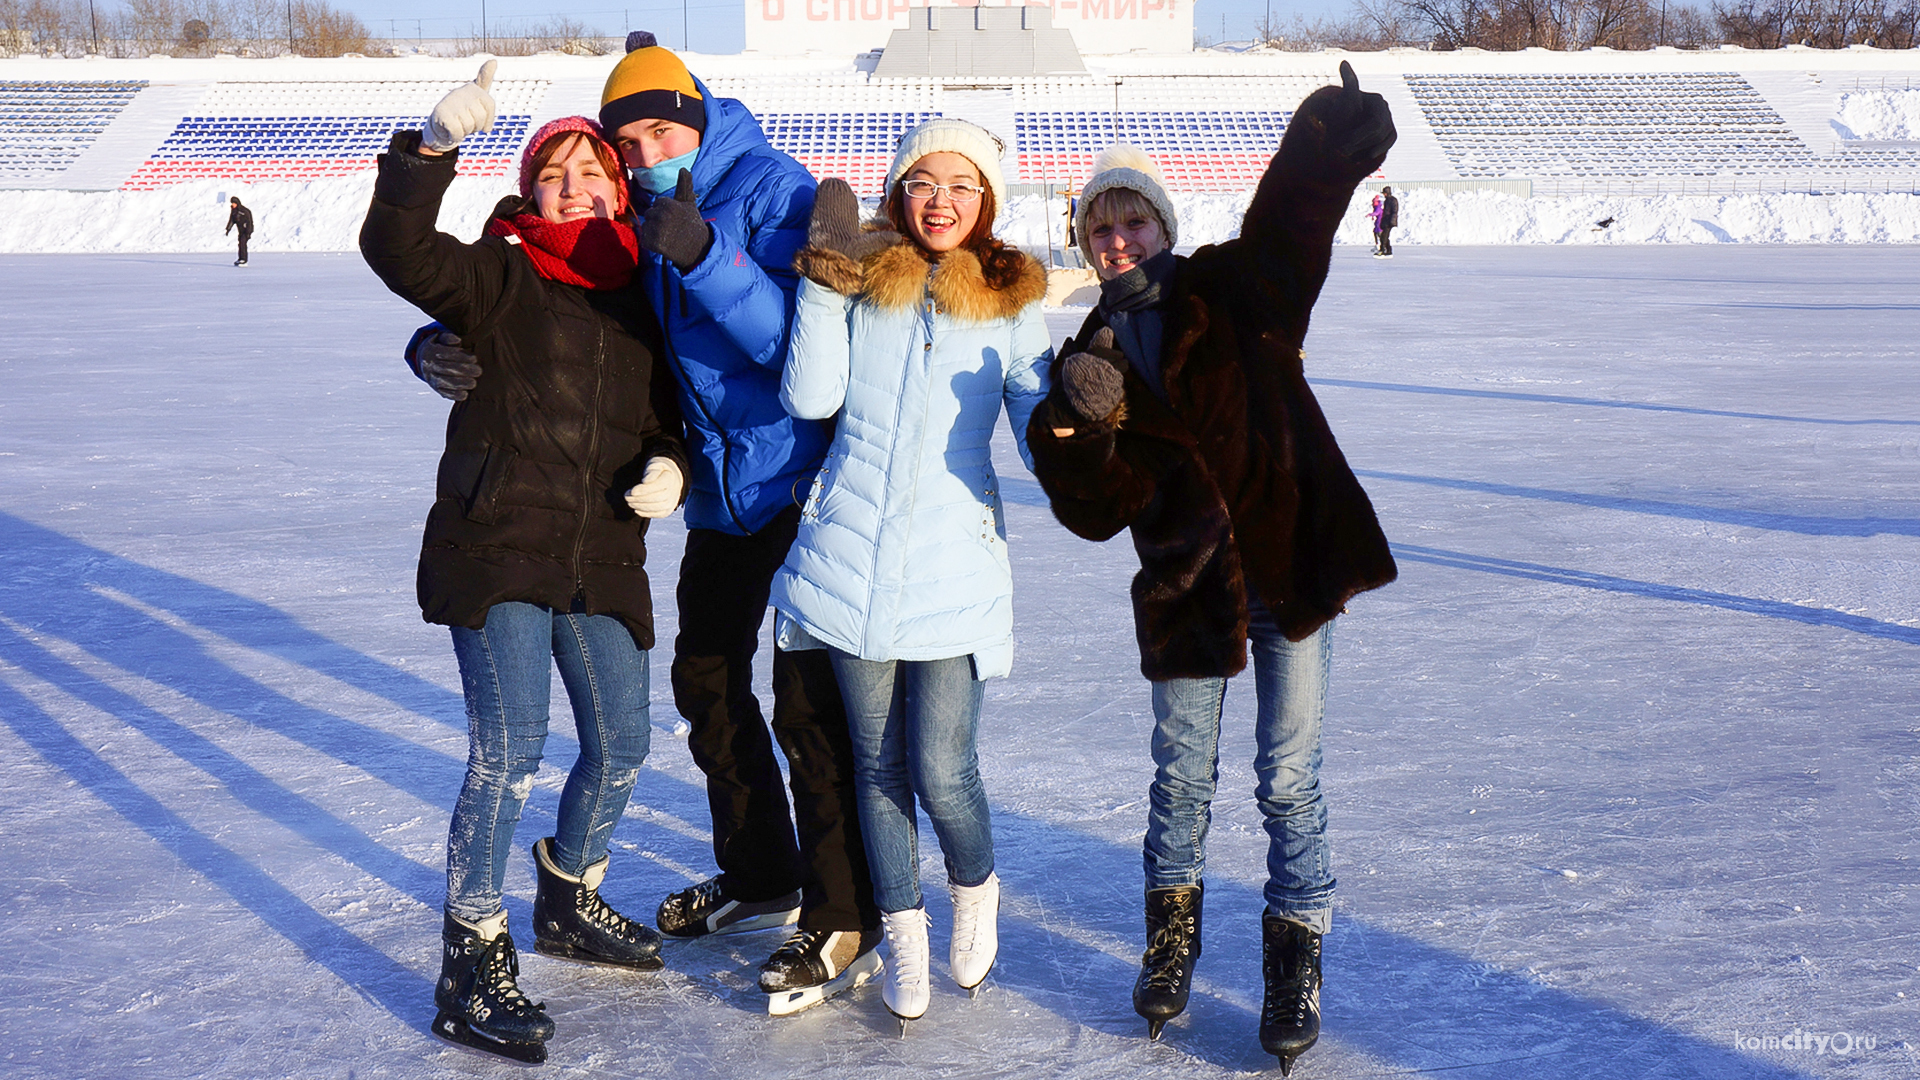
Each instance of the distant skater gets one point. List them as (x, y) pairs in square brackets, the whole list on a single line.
[(1386, 216), (240, 216)]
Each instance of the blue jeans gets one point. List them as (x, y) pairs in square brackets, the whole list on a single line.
[(505, 673), (915, 725), (1290, 684)]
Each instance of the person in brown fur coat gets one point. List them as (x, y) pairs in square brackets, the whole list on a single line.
[(1182, 412)]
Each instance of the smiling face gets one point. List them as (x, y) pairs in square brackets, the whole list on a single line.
[(938, 222), (574, 183), (1123, 231), (646, 143)]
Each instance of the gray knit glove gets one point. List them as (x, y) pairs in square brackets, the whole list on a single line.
[(1094, 381), (447, 366), (673, 228)]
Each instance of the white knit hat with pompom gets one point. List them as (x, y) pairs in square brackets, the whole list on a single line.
[(1123, 165)]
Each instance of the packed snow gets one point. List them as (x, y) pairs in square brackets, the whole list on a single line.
[(1879, 114), (1622, 771)]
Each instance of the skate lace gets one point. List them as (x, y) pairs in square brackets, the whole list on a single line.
[(910, 965), (1293, 1003), (498, 968), (595, 911), (801, 945), (705, 894), (966, 918), (1165, 948)]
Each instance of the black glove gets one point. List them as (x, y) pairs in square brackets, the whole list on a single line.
[(1094, 382), (448, 368), (836, 217), (673, 229), (1359, 125)]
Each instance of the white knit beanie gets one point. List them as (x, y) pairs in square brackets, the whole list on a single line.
[(970, 141), (1125, 166)]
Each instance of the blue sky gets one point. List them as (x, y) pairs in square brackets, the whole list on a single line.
[(711, 26)]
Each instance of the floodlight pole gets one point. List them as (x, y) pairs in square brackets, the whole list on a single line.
[(290, 26), (684, 47), (486, 43), (94, 21)]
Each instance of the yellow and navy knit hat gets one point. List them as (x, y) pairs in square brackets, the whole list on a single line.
[(650, 83)]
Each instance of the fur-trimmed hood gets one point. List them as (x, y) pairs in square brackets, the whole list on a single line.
[(891, 272)]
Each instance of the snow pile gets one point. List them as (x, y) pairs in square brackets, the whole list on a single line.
[(1879, 114), (325, 215), (1484, 217)]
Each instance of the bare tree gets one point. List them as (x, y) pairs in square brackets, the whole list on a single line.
[(1826, 24)]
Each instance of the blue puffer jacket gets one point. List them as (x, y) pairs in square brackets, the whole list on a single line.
[(727, 322), (902, 552)]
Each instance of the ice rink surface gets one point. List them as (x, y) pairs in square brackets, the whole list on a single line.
[(1624, 771)]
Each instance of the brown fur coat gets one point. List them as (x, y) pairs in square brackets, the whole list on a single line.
[(1233, 484)]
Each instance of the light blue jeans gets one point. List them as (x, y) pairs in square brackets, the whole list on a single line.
[(505, 672), (1290, 685), (915, 726)]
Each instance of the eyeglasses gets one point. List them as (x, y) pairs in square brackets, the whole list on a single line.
[(924, 189)]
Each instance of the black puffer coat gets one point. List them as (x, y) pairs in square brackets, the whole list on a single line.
[(570, 406), (1230, 478)]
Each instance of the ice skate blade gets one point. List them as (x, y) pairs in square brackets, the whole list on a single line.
[(560, 950), (1286, 1064), (455, 1030), (788, 1002), (1154, 1027)]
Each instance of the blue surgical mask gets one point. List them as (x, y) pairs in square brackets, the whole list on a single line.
[(662, 178)]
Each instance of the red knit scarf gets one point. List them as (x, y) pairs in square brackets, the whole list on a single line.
[(593, 253)]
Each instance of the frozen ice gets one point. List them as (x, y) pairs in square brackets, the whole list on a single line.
[(1657, 511)]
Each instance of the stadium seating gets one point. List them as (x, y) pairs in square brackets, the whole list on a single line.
[(842, 124), (254, 132), (45, 126), (1205, 133), (1613, 125)]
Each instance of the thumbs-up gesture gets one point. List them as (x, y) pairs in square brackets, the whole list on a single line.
[(1360, 124), (466, 110), (673, 229)]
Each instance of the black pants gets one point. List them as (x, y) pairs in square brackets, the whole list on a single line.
[(243, 246), (724, 585), (1384, 240)]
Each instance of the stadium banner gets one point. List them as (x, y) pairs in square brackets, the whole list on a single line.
[(1100, 27)]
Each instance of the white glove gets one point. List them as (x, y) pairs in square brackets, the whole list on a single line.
[(466, 110), (658, 492)]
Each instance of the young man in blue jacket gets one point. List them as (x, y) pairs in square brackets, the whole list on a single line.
[(722, 214)]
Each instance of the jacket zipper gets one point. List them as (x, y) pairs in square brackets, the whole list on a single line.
[(593, 455), (680, 369)]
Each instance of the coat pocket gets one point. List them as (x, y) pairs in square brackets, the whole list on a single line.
[(476, 478)]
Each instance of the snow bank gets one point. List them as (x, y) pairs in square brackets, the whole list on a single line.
[(325, 215), (1879, 114), (1481, 217)]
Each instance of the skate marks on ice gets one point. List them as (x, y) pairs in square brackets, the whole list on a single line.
[(75, 622), (1394, 1004), (1587, 579), (1601, 403), (164, 698)]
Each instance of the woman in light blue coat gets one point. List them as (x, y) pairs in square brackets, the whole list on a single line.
[(914, 336)]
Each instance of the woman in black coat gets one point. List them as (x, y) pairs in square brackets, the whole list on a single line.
[(535, 545), (1183, 414)]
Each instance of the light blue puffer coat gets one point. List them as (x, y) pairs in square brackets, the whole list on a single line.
[(902, 552)]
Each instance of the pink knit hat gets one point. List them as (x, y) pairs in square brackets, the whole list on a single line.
[(565, 125)]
